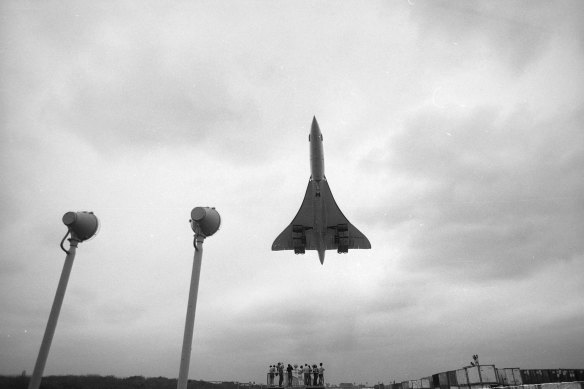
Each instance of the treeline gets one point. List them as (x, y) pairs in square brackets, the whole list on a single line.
[(108, 382)]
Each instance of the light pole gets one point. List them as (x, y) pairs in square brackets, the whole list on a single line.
[(81, 226), (205, 221)]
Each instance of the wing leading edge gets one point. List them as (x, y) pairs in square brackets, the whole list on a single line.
[(338, 226), (304, 218)]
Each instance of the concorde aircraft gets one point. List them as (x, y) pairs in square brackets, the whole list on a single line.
[(319, 224)]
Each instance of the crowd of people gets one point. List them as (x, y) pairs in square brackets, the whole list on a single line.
[(297, 375)]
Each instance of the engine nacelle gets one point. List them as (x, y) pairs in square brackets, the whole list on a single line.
[(342, 238), (299, 239)]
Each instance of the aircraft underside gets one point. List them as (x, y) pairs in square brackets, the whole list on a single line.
[(319, 224)]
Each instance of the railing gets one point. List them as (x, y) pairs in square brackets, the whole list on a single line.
[(275, 380)]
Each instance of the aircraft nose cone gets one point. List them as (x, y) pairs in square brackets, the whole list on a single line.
[(315, 129)]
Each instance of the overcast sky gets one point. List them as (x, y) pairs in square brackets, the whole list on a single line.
[(453, 138)]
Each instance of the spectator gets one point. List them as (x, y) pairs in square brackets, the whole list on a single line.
[(289, 370), (321, 375), (272, 372), (300, 373), (281, 373), (314, 375)]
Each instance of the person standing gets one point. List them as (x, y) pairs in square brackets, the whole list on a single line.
[(306, 374), (321, 375), (289, 370), (314, 375), (300, 374), (281, 373), (272, 372)]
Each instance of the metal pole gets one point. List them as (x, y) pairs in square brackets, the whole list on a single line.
[(39, 367), (183, 373)]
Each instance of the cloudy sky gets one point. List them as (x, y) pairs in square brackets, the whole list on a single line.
[(453, 137)]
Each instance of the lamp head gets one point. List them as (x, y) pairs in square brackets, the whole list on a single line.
[(205, 220), (82, 225)]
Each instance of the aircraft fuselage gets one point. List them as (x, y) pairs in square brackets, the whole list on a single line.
[(316, 153), (316, 176)]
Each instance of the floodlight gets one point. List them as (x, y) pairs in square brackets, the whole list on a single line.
[(205, 220), (82, 225)]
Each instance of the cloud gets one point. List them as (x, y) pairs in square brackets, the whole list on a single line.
[(512, 32), (116, 87), (492, 196)]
